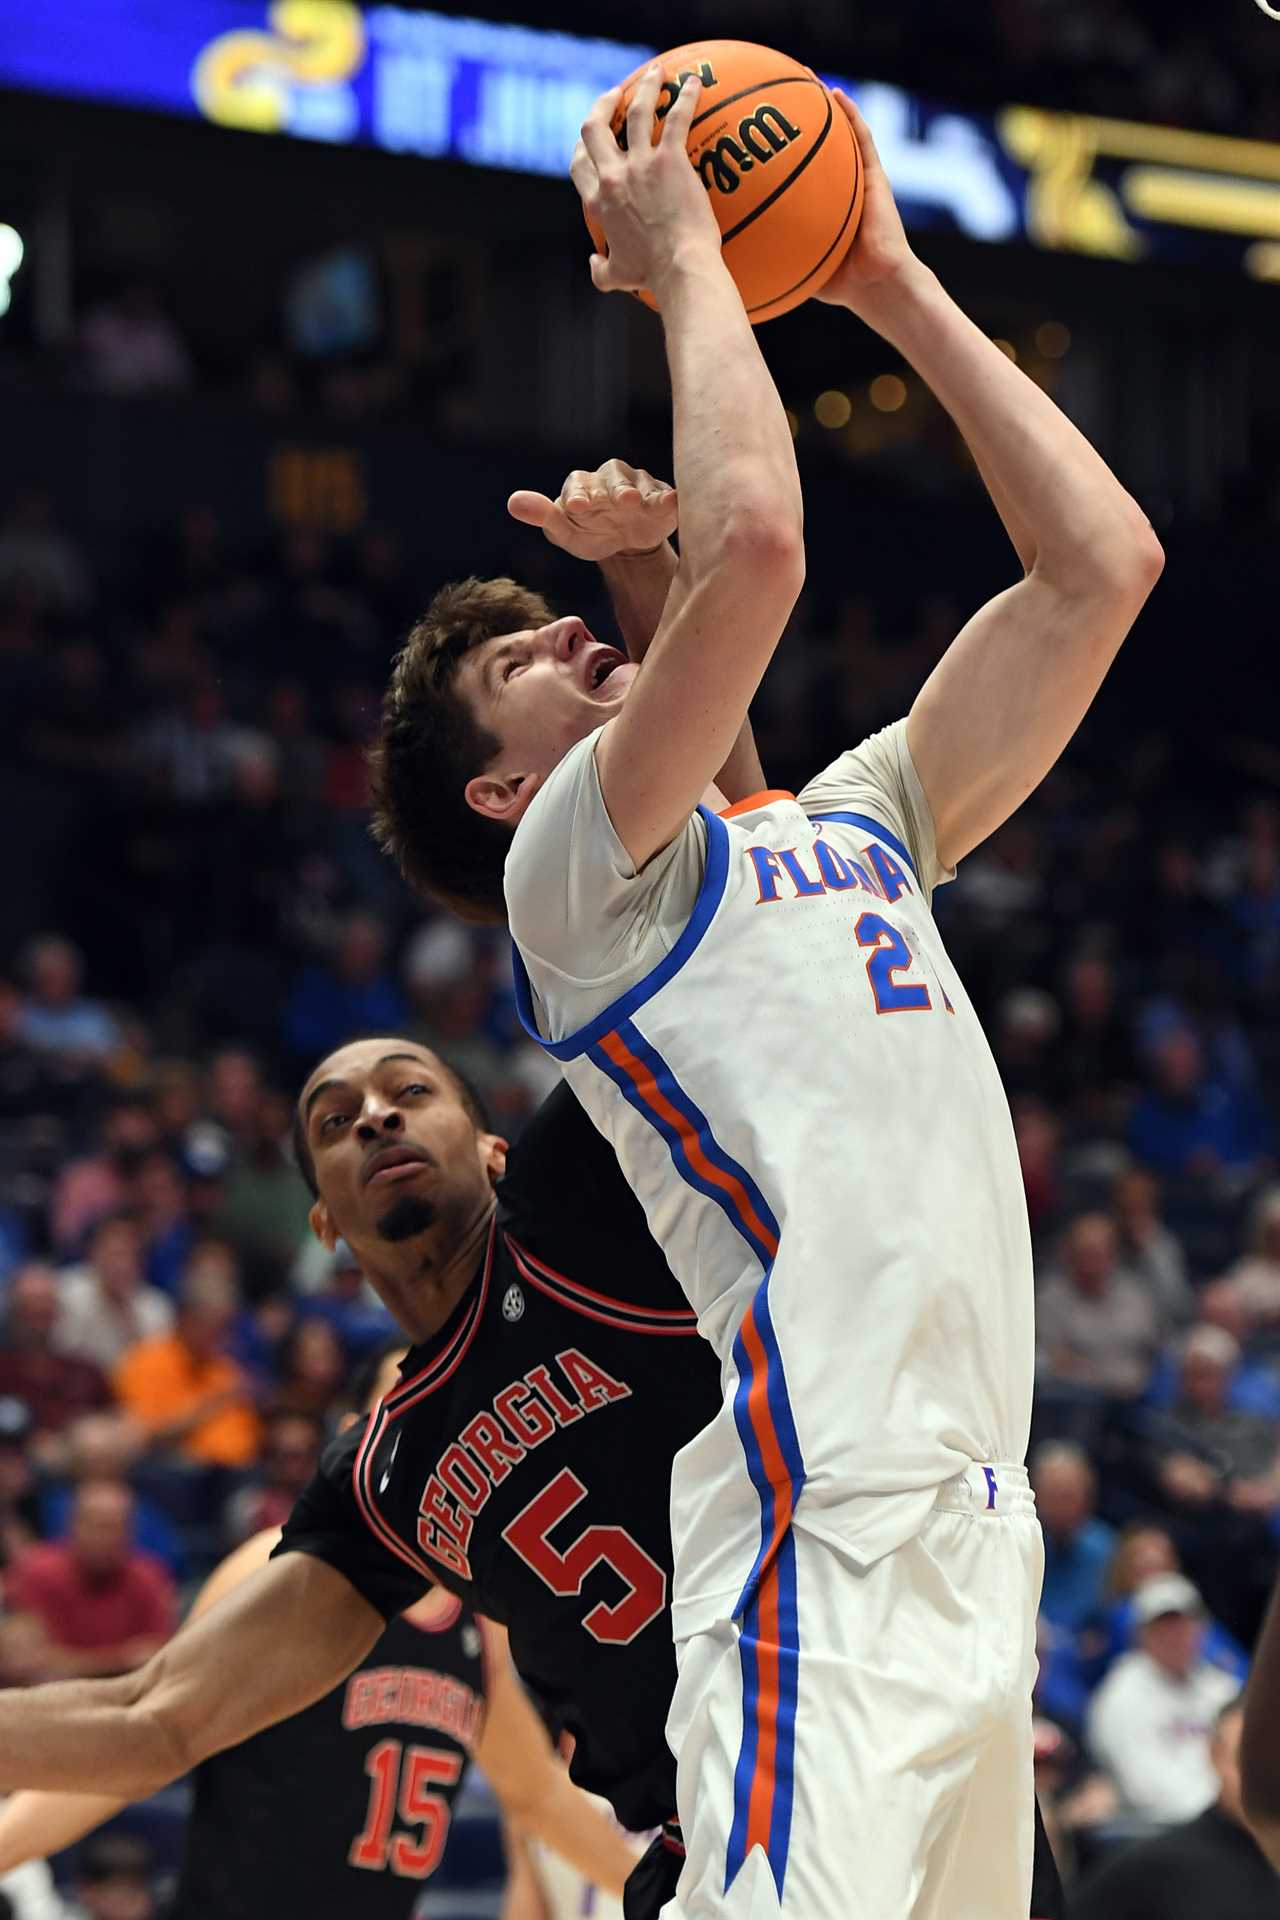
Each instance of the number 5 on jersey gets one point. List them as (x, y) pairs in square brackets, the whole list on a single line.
[(566, 1572)]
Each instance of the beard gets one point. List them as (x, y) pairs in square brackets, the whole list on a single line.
[(410, 1216)]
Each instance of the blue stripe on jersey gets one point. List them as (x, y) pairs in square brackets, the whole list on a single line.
[(784, 1428), (691, 1129), (710, 894), (871, 826)]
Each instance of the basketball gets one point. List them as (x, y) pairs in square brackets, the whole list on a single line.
[(779, 160)]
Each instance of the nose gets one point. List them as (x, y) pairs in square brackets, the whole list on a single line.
[(566, 637), (377, 1117)]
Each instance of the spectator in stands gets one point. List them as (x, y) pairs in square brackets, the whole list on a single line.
[(1204, 1449), (1146, 1550), (1097, 1328), (56, 1387), (18, 1506), (350, 995), (337, 1291), (1210, 1866), (105, 1446), (1078, 1546), (163, 1212), (183, 1389), (1095, 1047), (105, 1606), (107, 1306), (1256, 1275), (1187, 1124), (129, 345), (448, 975), (266, 1207), (312, 1369), (1150, 1252), (104, 1181), (233, 1093), (57, 1019), (115, 1879), (38, 557), (289, 1459), (1151, 1722)]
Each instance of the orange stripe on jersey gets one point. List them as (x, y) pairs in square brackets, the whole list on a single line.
[(754, 802), (764, 1781), (651, 1093), (762, 1424)]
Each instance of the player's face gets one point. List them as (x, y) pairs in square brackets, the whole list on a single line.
[(396, 1155), (540, 692)]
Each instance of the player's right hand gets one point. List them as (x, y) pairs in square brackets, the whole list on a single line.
[(649, 200), (616, 512)]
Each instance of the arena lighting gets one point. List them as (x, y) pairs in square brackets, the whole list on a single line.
[(1053, 340), (11, 257), (492, 94), (833, 409)]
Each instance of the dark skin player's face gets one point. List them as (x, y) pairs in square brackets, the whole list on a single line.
[(404, 1176)]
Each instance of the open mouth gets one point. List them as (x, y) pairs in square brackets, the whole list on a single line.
[(602, 664)]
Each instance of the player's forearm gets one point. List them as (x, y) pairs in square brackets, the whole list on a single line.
[(73, 1735), (641, 587), (1067, 514), (639, 584), (34, 1825), (735, 463), (568, 1821)]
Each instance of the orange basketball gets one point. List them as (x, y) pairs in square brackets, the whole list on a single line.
[(779, 160)]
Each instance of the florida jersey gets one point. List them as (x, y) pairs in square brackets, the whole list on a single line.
[(766, 1026)]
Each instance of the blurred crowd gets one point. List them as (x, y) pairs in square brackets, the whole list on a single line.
[(192, 913)]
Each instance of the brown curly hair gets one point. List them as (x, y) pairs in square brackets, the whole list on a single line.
[(430, 744)]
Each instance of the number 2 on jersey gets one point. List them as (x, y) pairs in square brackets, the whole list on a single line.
[(564, 1573), (406, 1774), (889, 956)]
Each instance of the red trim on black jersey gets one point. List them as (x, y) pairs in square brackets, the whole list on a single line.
[(407, 1395), (437, 1371), (668, 1321)]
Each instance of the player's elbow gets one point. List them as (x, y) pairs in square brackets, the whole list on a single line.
[(1123, 569), (763, 543)]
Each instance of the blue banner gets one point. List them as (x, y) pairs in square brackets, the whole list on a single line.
[(494, 95)]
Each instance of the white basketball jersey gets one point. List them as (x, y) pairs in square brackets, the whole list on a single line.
[(801, 1095)]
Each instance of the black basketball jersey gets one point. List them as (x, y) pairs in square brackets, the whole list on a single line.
[(524, 1459), (345, 1808)]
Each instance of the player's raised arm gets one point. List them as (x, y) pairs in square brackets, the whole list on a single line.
[(623, 518), (281, 1640), (741, 529), (1009, 694)]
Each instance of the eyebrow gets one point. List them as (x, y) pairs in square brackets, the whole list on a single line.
[(327, 1086)]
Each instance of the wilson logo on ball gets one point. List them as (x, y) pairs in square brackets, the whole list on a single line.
[(762, 136)]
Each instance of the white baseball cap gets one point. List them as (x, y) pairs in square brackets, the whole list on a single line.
[(1165, 1593)]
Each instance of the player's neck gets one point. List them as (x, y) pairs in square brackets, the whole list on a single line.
[(432, 1272)]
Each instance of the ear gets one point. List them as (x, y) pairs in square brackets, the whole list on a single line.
[(494, 798), (323, 1225), (493, 1155)]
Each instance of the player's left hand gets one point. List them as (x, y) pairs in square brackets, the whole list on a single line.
[(615, 512), (881, 253)]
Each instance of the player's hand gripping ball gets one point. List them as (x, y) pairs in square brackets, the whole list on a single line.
[(779, 161)]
